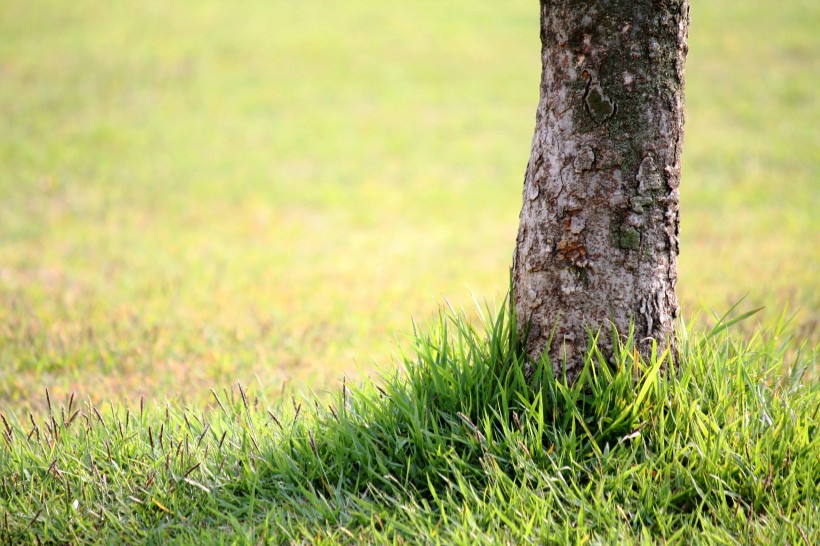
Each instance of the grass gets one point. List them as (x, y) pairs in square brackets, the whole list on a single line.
[(193, 195), (455, 447)]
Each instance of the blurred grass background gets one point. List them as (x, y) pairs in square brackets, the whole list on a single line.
[(197, 193)]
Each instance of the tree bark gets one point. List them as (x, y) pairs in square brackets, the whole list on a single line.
[(597, 242)]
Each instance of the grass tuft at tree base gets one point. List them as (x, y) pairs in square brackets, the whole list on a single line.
[(456, 446)]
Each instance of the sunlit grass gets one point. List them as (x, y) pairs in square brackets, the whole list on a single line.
[(193, 194)]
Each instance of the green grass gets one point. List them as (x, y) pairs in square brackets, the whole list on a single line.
[(456, 447), (193, 194), (198, 195)]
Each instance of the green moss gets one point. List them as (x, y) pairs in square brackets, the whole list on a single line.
[(600, 107), (629, 238), (640, 203)]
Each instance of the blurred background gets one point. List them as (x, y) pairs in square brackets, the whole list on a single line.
[(196, 193)]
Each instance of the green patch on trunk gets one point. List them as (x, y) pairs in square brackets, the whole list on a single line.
[(629, 238)]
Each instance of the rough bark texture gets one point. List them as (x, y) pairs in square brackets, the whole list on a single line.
[(598, 237)]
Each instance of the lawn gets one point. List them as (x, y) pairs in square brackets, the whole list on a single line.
[(193, 194), (196, 195)]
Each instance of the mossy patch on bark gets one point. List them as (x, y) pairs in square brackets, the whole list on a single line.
[(629, 238)]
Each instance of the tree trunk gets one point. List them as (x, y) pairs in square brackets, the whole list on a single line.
[(597, 243)]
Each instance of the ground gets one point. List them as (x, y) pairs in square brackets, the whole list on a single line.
[(194, 195)]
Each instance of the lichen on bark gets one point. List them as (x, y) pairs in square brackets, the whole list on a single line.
[(598, 236)]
